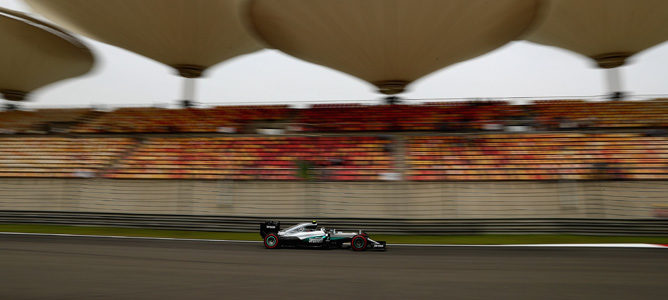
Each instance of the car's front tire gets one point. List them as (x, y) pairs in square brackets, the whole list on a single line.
[(271, 241), (358, 243)]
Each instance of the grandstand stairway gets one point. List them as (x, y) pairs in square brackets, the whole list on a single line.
[(89, 116), (66, 126), (399, 154), (113, 164)]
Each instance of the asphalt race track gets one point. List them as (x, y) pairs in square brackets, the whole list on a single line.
[(39, 267)]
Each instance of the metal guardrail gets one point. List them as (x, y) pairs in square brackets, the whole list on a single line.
[(637, 227)]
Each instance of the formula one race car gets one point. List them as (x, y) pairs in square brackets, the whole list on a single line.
[(309, 235)]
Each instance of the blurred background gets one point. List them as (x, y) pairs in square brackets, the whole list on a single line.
[(520, 109)]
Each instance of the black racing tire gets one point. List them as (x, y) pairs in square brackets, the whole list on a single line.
[(359, 243), (271, 241)]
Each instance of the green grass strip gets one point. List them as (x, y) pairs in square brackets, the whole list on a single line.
[(492, 239)]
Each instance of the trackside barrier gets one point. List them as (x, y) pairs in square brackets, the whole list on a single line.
[(393, 200), (626, 227)]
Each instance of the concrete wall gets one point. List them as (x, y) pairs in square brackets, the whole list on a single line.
[(456, 200)]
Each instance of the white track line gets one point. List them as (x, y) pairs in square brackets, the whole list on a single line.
[(609, 245), (126, 237)]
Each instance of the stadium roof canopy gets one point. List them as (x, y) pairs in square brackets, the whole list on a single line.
[(34, 54), (608, 31), (188, 35), (390, 43)]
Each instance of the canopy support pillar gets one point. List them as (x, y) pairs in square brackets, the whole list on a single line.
[(614, 80), (189, 74), (189, 89)]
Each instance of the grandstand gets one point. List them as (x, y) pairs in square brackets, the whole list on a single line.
[(433, 160), (427, 142)]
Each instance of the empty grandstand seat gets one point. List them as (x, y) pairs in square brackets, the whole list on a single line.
[(59, 156), (560, 156), (256, 158)]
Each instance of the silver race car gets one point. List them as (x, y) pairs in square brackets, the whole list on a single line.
[(309, 235)]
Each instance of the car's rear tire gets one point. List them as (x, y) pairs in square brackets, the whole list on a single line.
[(271, 241), (358, 243)]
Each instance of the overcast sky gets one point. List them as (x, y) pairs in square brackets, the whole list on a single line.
[(519, 69)]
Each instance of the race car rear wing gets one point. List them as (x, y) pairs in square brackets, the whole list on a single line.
[(269, 227)]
